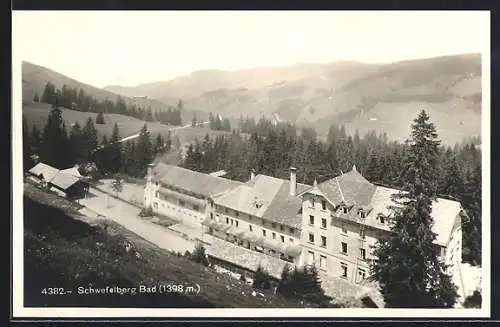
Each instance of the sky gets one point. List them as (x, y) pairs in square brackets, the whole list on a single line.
[(130, 48)]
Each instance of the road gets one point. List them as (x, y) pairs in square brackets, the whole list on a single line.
[(127, 216), (171, 129)]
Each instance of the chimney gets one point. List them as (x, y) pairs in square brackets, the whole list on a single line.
[(252, 174), (293, 181)]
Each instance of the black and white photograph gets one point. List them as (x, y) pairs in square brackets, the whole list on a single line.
[(251, 163)]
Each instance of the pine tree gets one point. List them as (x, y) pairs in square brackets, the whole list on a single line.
[(159, 146), (193, 121), (144, 149), (100, 119), (77, 144), (55, 145), (27, 148), (35, 140), (199, 255), (407, 268), (471, 198), (261, 279), (90, 139), (49, 93), (36, 98), (115, 150), (226, 125)]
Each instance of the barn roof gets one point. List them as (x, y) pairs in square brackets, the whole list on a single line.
[(48, 172)]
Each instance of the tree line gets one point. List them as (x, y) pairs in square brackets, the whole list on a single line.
[(379, 160), (217, 123), (78, 99), (60, 149)]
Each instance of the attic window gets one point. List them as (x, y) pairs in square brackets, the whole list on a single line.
[(345, 209), (258, 203), (362, 213), (381, 218)]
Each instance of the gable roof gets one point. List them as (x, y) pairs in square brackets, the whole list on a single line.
[(64, 181), (47, 171), (266, 197), (191, 181), (353, 189), (72, 171)]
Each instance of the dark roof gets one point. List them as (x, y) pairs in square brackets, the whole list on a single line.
[(273, 195), (350, 188), (191, 181)]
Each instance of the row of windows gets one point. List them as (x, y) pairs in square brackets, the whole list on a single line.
[(263, 221), (323, 204), (250, 227), (344, 228), (342, 244), (343, 209), (179, 202), (344, 268)]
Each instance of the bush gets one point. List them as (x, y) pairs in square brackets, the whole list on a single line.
[(473, 301), (146, 212), (261, 279), (199, 255)]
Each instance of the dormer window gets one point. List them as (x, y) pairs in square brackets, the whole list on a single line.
[(323, 205), (312, 201), (344, 209), (361, 213), (381, 218)]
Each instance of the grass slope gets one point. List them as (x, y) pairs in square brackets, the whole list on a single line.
[(63, 250), (35, 78), (37, 113)]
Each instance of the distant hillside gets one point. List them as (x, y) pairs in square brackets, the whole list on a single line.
[(344, 93), (36, 77)]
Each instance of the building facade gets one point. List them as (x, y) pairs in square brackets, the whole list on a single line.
[(332, 225), (344, 217)]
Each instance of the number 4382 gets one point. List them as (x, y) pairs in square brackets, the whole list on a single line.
[(53, 291)]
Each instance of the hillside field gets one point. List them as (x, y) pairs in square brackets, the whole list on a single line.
[(37, 113)]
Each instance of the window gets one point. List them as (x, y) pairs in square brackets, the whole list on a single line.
[(311, 220), (323, 241), (210, 230), (237, 223), (344, 209), (362, 233), (310, 257), (312, 202), (263, 232), (323, 222), (227, 220), (263, 222), (344, 248), (311, 238), (282, 239), (323, 205), (232, 221), (362, 254), (282, 228), (290, 229), (181, 203), (343, 270), (291, 240), (361, 274), (236, 213), (212, 216), (344, 229), (274, 236), (273, 225), (382, 219), (322, 262), (250, 228), (196, 208), (227, 210)]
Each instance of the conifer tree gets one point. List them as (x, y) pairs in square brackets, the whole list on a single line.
[(78, 144), (100, 119), (55, 141), (35, 140), (90, 139), (193, 121), (407, 268), (144, 149), (27, 149), (159, 146), (115, 150), (261, 279), (36, 98)]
